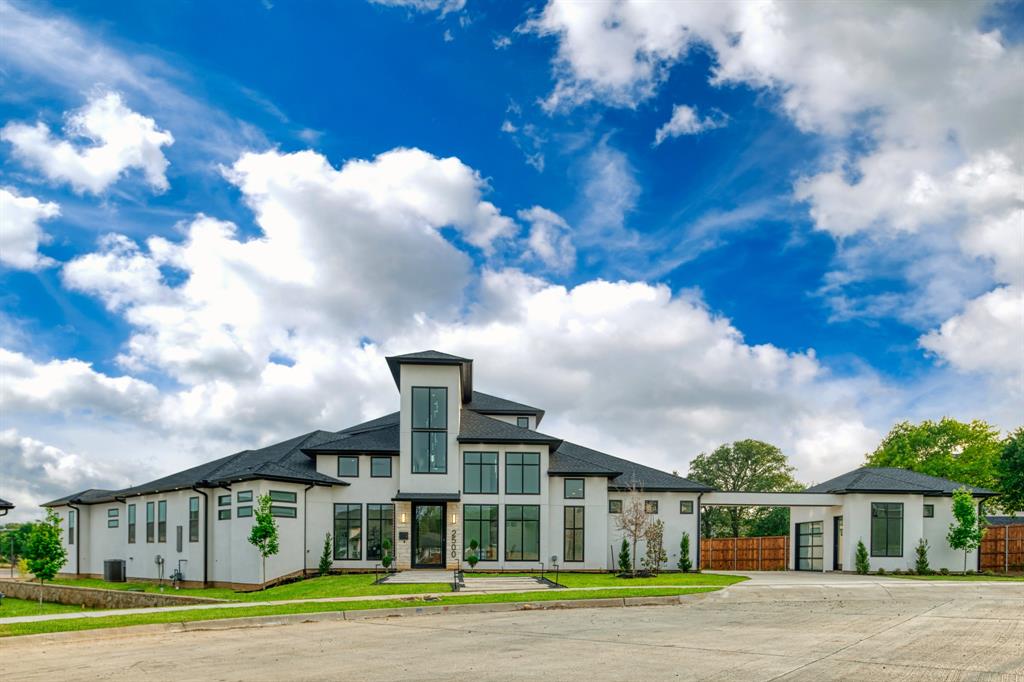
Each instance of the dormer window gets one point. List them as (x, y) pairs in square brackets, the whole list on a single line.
[(523, 422), (429, 430)]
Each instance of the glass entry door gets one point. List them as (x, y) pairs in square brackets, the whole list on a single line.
[(837, 543), (428, 536), (810, 548)]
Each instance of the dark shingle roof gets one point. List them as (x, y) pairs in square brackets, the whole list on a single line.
[(890, 479), (485, 403), (384, 439), (87, 496), (433, 357), (572, 459), (630, 473), (4, 504), (387, 420), (479, 428)]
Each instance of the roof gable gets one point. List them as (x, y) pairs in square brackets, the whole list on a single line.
[(479, 428), (485, 403), (891, 479), (629, 474)]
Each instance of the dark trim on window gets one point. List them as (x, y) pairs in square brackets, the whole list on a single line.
[(244, 496), (517, 460), (284, 512), (527, 516), (150, 522), (243, 512), (283, 496), (614, 506), (929, 511), (131, 524), (523, 422), (685, 506), (348, 459), (573, 534), (428, 429), (651, 506), (71, 528), (223, 514), (224, 500), (113, 512), (343, 527), (565, 489), (193, 519), (886, 519), (374, 462), (476, 517), (380, 524), (473, 473), (112, 523), (161, 521)]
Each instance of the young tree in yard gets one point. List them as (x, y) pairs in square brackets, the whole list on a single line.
[(748, 465), (921, 563), (654, 543), (861, 560), (44, 552), (264, 533), (633, 520), (684, 554), (625, 563), (966, 533), (1010, 473), (325, 555)]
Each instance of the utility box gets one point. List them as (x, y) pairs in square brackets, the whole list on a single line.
[(113, 571)]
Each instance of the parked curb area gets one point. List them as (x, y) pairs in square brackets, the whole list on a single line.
[(362, 614)]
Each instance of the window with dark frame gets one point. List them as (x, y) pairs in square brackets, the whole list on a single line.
[(243, 512), (193, 519), (572, 489), (283, 496), (380, 524), (522, 473), (224, 500), (522, 532), (429, 430), (572, 542), (929, 511), (480, 473), (71, 526), (244, 496), (348, 466), (886, 529), (150, 521), (686, 506), (223, 514), (161, 521), (131, 524), (112, 523), (614, 506), (113, 512), (523, 422), (650, 506), (177, 539), (348, 531), (480, 523), (283, 512), (380, 467)]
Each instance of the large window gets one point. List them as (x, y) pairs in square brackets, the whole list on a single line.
[(522, 473), (348, 531), (71, 526), (380, 524), (573, 489), (150, 521), (348, 466), (887, 529), (161, 521), (522, 532), (429, 430), (131, 524), (193, 519), (480, 523), (480, 472), (380, 467), (572, 545)]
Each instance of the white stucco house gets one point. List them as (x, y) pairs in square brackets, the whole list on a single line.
[(451, 465)]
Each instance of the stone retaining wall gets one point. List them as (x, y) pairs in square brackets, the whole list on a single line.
[(95, 597)]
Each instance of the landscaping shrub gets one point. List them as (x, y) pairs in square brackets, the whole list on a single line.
[(862, 563), (921, 563), (625, 564), (881, 571), (326, 555), (943, 571), (684, 553), (897, 572)]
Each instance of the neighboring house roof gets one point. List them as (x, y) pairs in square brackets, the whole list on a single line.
[(490, 404), (479, 428), (1005, 520), (892, 480), (629, 474), (4, 504)]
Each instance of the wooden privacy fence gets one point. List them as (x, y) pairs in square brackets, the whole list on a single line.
[(1002, 548), (745, 554)]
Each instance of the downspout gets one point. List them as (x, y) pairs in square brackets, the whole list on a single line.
[(305, 521), (206, 529), (699, 495), (78, 537)]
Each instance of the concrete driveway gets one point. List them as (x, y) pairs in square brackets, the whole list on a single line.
[(825, 630)]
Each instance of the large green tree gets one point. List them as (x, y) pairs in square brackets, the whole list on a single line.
[(1010, 472), (963, 452), (750, 465)]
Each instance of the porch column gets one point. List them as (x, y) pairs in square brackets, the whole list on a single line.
[(403, 529), (453, 543)]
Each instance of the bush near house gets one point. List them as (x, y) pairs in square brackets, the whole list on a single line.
[(921, 562), (863, 564)]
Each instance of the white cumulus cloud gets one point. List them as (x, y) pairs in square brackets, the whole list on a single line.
[(686, 121), (20, 232)]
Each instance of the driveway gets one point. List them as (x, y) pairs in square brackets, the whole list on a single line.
[(832, 630)]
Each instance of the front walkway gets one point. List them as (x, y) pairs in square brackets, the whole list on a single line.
[(489, 585)]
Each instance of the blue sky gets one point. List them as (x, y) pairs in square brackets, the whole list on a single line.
[(838, 216)]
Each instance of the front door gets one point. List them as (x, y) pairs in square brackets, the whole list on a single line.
[(809, 546), (837, 543), (428, 535)]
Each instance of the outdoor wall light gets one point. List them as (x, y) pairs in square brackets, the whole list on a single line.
[(403, 517), (455, 518)]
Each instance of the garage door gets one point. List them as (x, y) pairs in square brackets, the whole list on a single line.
[(810, 546)]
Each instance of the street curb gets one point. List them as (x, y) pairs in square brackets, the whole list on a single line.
[(356, 615)]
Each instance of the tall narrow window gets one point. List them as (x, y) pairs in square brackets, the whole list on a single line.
[(429, 430), (522, 532), (71, 526), (572, 545), (480, 472), (131, 524), (161, 521), (522, 473), (480, 523), (193, 519), (150, 521), (887, 529), (380, 525), (348, 531)]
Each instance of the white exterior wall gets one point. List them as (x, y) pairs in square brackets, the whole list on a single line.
[(595, 525), (675, 522), (429, 376)]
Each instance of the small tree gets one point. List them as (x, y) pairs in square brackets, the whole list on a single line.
[(44, 552), (386, 559), (633, 520), (625, 564), (473, 556), (264, 533), (325, 555), (684, 554), (921, 563), (966, 533), (863, 565), (654, 536)]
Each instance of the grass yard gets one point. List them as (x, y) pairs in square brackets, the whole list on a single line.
[(30, 607), (964, 578), (143, 618), (352, 585), (612, 580)]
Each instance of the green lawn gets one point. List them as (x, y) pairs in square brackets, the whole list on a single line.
[(143, 618), (967, 578), (30, 607), (612, 580), (351, 585)]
